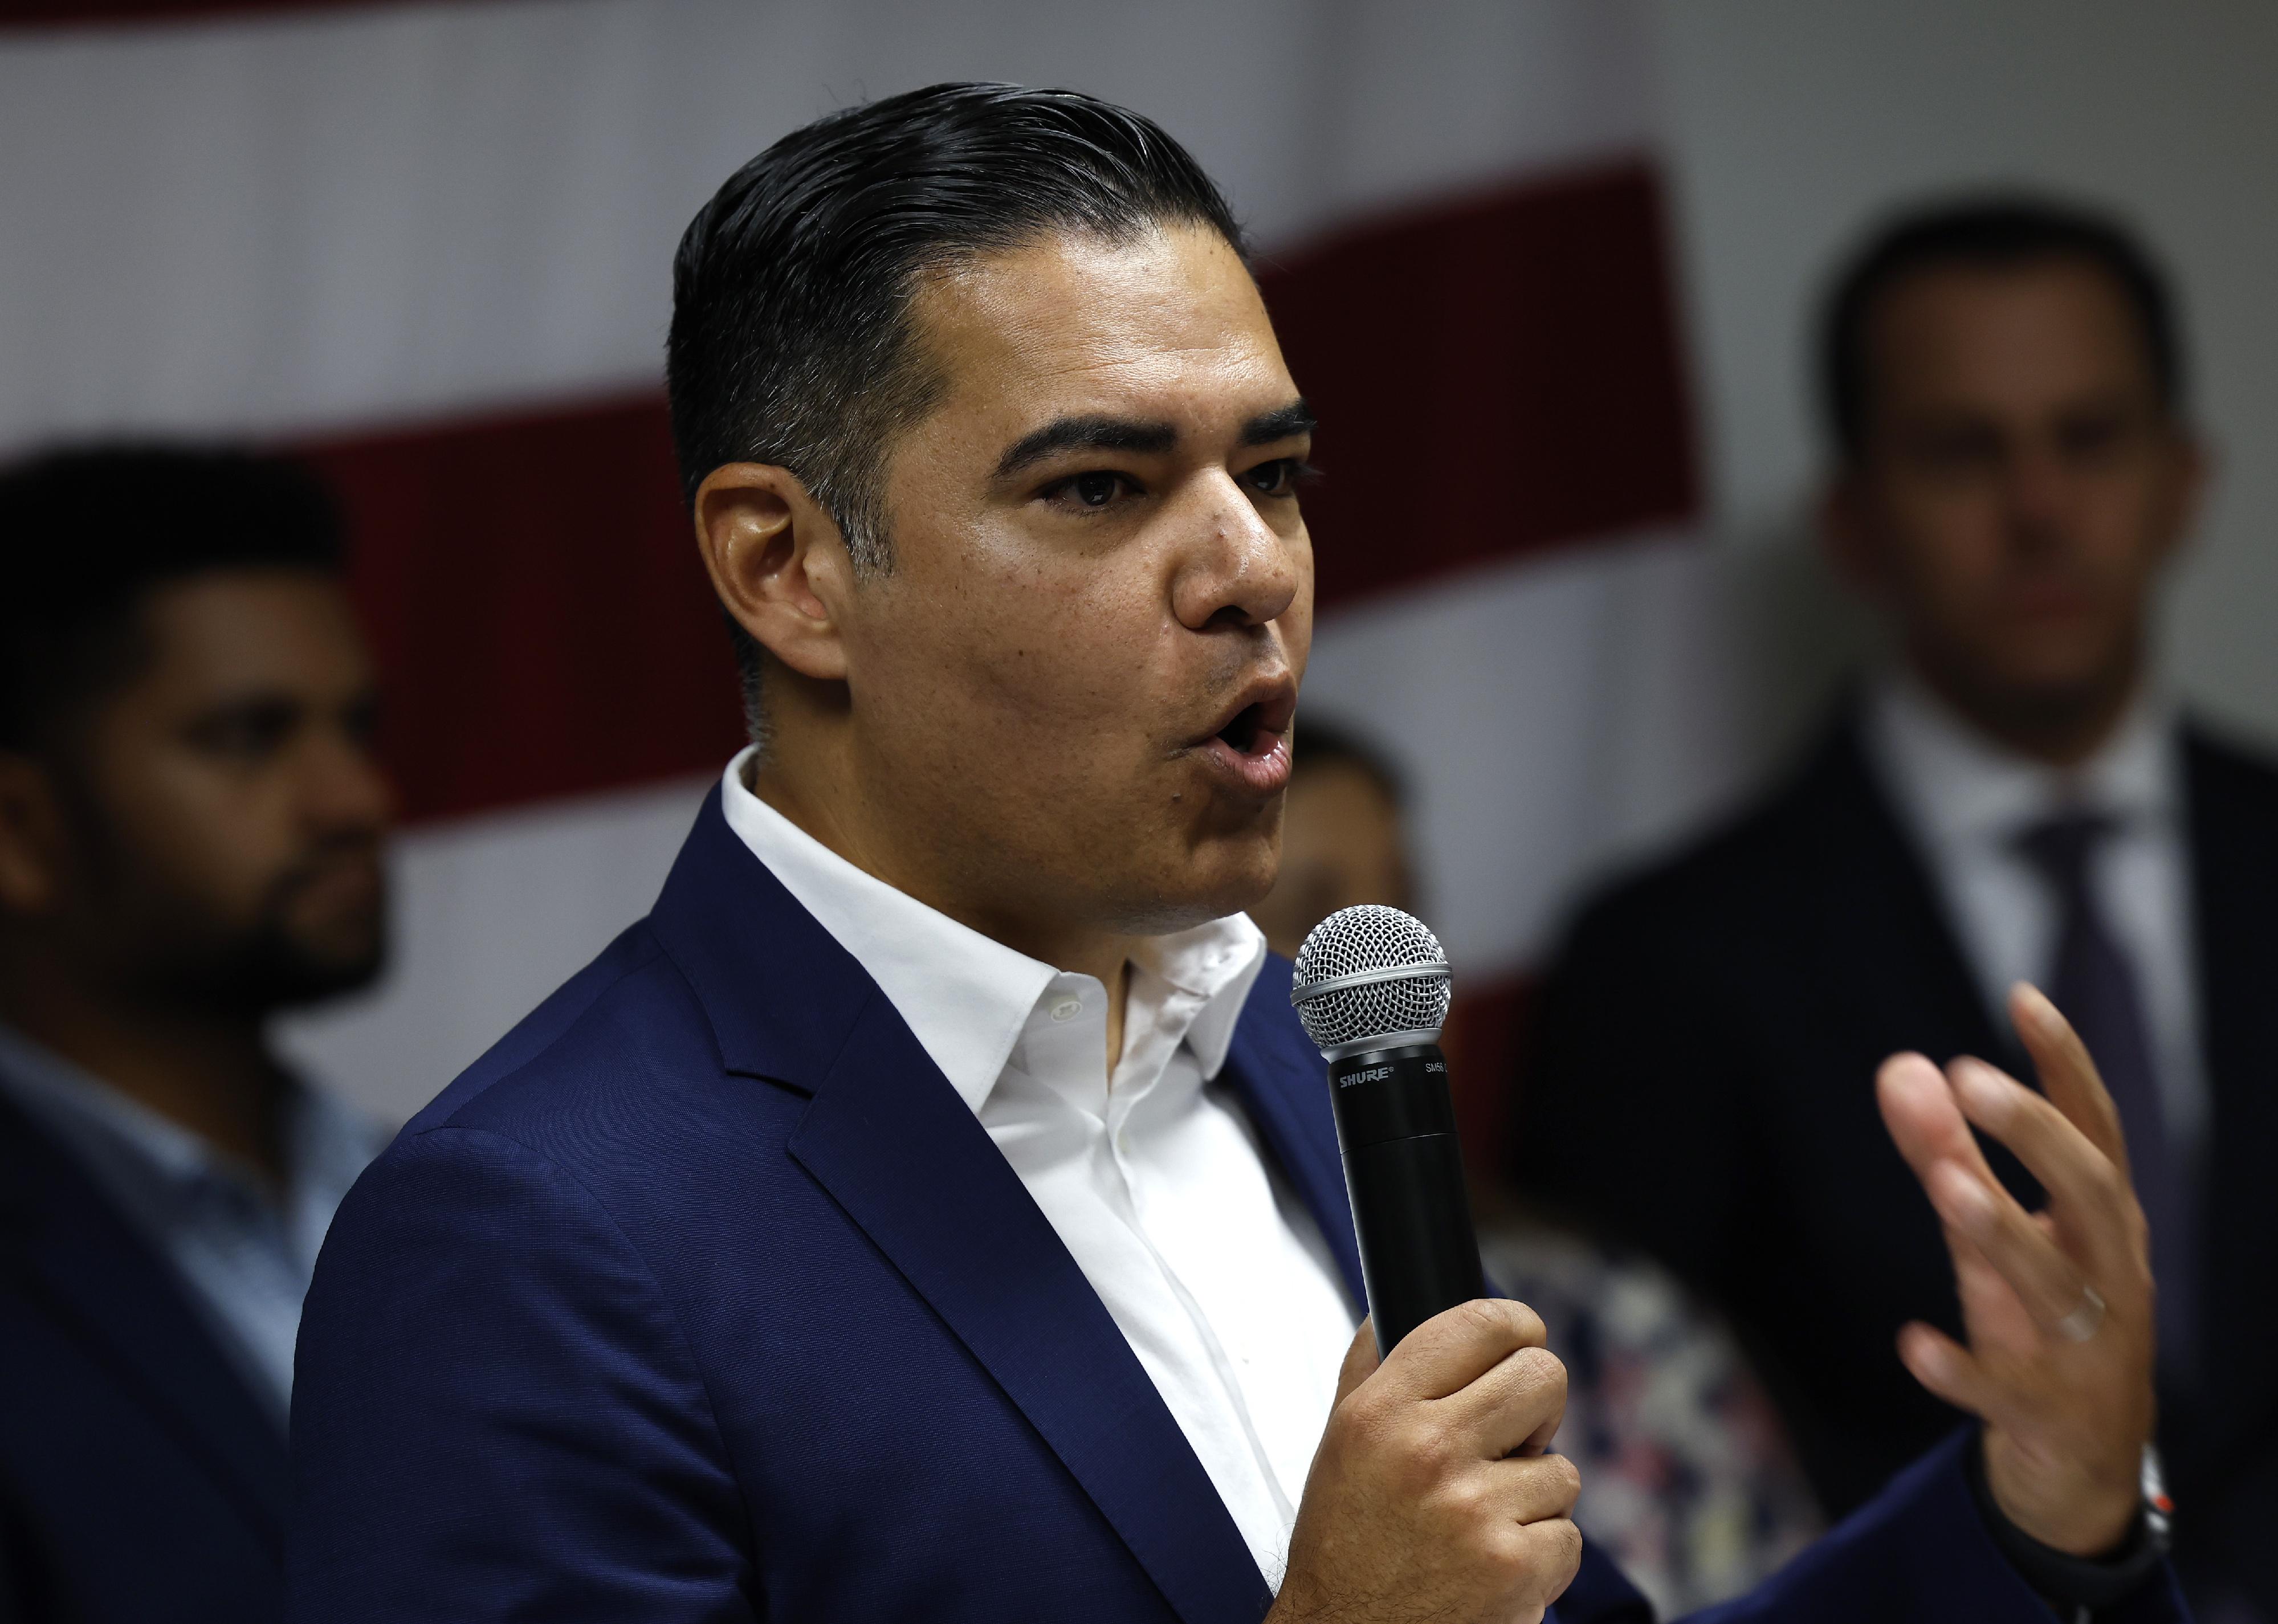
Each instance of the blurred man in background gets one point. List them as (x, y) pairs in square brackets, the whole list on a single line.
[(190, 829), (1686, 1476), (2013, 798), (1344, 837)]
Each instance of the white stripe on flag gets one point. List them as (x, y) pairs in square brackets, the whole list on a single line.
[(283, 224)]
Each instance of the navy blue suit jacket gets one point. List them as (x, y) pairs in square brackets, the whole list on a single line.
[(703, 1296), (140, 1478)]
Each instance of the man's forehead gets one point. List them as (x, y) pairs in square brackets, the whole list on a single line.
[(2054, 324), (228, 627), (1164, 327)]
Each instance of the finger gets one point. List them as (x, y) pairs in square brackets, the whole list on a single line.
[(2004, 1233), (1920, 1109), (2067, 1073), (1533, 1488), (1545, 1557), (2089, 1196), (1360, 1359), (1454, 1348), (1948, 1370), (1994, 1320), (1923, 1117), (1514, 1407)]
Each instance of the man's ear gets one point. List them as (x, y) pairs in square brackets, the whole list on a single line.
[(34, 840), (777, 562)]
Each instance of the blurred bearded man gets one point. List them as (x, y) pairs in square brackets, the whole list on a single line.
[(190, 829), (932, 1210)]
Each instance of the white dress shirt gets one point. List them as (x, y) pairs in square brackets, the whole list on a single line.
[(244, 1254), (1965, 798), (1152, 1178)]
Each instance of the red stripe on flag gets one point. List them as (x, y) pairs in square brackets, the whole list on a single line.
[(1493, 377), (108, 13), (532, 590)]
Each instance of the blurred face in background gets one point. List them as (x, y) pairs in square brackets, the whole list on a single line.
[(217, 812), (2019, 483), (1342, 843)]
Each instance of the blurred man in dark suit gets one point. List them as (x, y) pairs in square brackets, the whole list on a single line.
[(190, 823), (2014, 797)]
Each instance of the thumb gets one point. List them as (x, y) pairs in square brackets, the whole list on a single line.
[(1360, 1359)]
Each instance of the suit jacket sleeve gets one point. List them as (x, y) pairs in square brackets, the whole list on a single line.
[(1918, 1551), (495, 1415)]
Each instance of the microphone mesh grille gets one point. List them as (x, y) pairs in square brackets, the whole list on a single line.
[(1369, 937)]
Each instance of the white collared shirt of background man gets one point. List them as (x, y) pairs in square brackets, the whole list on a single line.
[(1964, 799), (244, 1252), (1153, 1177)]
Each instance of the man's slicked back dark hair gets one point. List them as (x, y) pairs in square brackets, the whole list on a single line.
[(1993, 233), (87, 535), (792, 341)]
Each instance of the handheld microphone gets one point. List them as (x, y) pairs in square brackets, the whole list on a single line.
[(1372, 988)]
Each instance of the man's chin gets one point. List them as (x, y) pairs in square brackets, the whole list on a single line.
[(286, 973), (1210, 886)]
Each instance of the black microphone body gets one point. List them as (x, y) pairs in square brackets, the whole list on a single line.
[(1404, 1174)]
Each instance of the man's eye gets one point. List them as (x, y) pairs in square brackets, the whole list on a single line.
[(361, 720), (2091, 438), (1958, 452), (1279, 478), (247, 733), (1094, 491)]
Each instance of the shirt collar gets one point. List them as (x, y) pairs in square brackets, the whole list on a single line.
[(966, 997), (1956, 784), (102, 1125), (1218, 962), (139, 1153)]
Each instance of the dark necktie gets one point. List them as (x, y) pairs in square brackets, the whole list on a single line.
[(2095, 985)]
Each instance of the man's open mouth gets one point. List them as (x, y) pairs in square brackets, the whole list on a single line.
[(1253, 746), (1244, 730)]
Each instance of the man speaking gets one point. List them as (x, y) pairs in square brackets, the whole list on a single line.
[(932, 1210)]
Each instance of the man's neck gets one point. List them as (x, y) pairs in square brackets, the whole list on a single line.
[(1064, 944), (2060, 730), (209, 1072)]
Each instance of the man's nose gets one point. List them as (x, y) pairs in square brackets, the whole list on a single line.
[(1237, 568), (2038, 495), (344, 789)]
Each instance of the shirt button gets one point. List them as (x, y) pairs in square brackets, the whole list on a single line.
[(1067, 1009)]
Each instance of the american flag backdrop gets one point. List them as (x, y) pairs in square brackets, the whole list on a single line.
[(429, 245)]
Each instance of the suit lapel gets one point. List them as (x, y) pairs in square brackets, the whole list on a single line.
[(1903, 972), (2232, 812), (1915, 974), (84, 1266), (909, 1161), (1279, 1079)]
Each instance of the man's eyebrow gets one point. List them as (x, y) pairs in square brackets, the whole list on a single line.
[(1091, 433), (1285, 422)]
